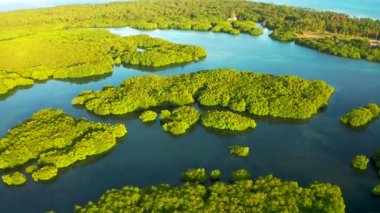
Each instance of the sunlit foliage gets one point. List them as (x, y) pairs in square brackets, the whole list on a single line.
[(286, 22), (266, 194), (256, 93), (78, 53), (55, 140), (15, 179), (226, 120), (197, 175), (360, 162), (148, 116), (361, 116), (179, 120), (241, 151), (348, 48)]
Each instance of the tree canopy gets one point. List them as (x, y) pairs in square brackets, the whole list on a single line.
[(265, 194), (78, 53), (256, 93), (226, 120), (286, 22), (361, 116), (55, 140), (179, 120), (241, 151)]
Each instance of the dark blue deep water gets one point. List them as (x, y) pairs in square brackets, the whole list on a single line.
[(318, 149)]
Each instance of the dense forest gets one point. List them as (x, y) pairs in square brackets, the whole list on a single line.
[(265, 194), (229, 16), (79, 53), (50, 140), (256, 93), (361, 116)]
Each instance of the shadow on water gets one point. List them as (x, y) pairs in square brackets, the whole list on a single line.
[(86, 80), (13, 91), (163, 68)]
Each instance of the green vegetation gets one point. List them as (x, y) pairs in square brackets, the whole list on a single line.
[(55, 140), (376, 159), (239, 175), (148, 116), (78, 53), (179, 120), (198, 175), (361, 116), (215, 174), (227, 120), (15, 179), (45, 173), (360, 162), (31, 168), (241, 151), (376, 190), (259, 94), (344, 47), (204, 15), (266, 194)]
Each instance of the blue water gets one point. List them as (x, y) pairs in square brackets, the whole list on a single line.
[(319, 149), (357, 8)]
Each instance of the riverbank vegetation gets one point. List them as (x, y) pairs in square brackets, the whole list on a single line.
[(361, 116), (55, 140), (358, 48), (215, 174), (79, 53), (197, 175), (256, 93), (240, 174), (241, 151), (234, 17), (226, 120), (265, 194)]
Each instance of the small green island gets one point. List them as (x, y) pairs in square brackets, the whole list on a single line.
[(265, 194), (360, 162), (240, 151), (361, 116), (255, 93), (15, 179), (50, 140), (179, 120)]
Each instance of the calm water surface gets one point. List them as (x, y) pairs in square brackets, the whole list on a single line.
[(318, 149), (358, 8)]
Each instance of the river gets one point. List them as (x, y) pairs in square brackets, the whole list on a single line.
[(318, 149)]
